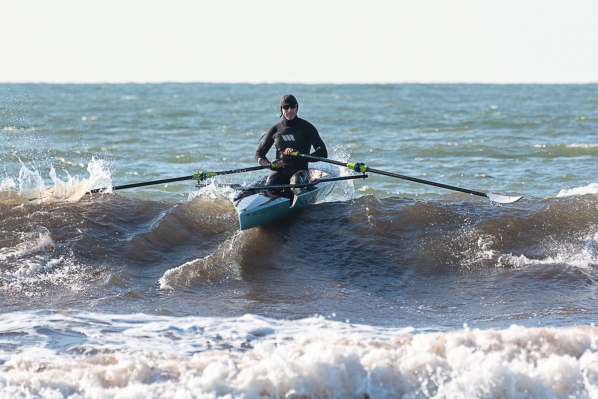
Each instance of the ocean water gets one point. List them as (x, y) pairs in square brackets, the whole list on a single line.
[(388, 289)]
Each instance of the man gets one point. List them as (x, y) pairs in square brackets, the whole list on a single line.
[(290, 134)]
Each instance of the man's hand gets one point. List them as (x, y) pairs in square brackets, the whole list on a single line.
[(277, 164)]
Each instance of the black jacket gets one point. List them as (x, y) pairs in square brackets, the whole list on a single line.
[(297, 134)]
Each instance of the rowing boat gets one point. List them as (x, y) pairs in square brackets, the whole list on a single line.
[(271, 203), (255, 209), (259, 204)]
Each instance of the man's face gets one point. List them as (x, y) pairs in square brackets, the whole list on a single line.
[(289, 111)]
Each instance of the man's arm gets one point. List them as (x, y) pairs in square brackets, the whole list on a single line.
[(264, 147), (318, 144)]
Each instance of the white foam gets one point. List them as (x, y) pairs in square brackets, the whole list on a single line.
[(584, 259), (32, 242), (31, 262), (582, 145), (580, 252), (251, 356), (481, 252), (581, 256), (589, 189), (213, 191)]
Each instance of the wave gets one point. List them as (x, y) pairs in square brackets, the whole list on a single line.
[(112, 252), (220, 264), (457, 231), (93, 355), (591, 188)]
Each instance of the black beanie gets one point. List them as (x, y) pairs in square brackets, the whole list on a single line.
[(288, 99)]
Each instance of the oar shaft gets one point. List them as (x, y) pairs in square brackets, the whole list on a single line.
[(197, 176), (147, 183), (301, 185), (430, 183), (281, 186), (381, 172), (230, 172)]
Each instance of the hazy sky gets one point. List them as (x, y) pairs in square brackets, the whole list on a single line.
[(301, 41)]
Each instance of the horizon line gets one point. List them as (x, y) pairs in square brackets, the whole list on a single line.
[(539, 83)]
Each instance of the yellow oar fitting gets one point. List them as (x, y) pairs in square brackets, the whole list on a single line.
[(203, 175), (357, 167)]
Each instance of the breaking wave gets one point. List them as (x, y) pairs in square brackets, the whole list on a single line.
[(56, 354)]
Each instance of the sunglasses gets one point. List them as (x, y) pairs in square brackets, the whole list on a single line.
[(285, 107)]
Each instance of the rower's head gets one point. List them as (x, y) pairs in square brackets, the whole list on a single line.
[(289, 106)]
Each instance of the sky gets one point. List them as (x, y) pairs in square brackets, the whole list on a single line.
[(301, 41)]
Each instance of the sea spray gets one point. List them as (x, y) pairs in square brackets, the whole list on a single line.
[(73, 188), (7, 184), (31, 185), (32, 188)]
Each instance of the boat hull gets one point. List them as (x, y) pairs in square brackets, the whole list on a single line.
[(262, 208)]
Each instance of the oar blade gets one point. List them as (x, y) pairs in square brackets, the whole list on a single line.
[(503, 199)]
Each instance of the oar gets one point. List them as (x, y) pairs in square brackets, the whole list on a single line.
[(196, 176), (283, 186), (359, 167)]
